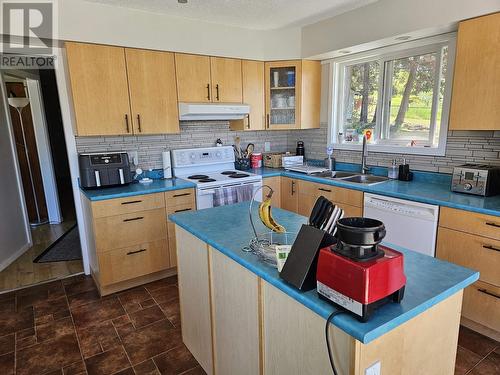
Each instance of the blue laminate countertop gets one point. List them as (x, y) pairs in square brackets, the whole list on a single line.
[(136, 188), (428, 189), (429, 280)]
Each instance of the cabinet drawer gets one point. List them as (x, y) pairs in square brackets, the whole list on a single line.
[(333, 193), (133, 261), (470, 222), (350, 211), (118, 206), (119, 231), (178, 197), (482, 304), (180, 208), (479, 253)]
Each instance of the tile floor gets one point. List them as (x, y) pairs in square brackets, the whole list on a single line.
[(64, 327)]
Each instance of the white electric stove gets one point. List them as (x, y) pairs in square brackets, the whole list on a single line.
[(211, 168)]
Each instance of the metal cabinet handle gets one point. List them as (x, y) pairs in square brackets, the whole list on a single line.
[(133, 219), (491, 224), (181, 195), (126, 123), (248, 121), (293, 187), (139, 123), (217, 92), (491, 247), (323, 189), (136, 252), (267, 120), (184, 209), (485, 291), (208, 91), (131, 202)]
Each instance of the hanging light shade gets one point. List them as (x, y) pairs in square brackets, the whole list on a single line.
[(18, 102)]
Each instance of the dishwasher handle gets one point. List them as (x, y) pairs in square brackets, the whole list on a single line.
[(397, 208)]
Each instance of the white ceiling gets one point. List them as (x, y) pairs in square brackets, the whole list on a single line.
[(251, 14)]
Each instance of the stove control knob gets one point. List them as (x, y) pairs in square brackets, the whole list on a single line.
[(468, 186)]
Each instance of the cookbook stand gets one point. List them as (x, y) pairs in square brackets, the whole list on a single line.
[(300, 266)]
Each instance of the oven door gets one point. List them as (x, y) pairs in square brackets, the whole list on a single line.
[(205, 196)]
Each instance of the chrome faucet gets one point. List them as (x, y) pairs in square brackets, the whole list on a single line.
[(364, 154)]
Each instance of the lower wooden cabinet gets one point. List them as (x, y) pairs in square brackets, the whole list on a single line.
[(275, 184), (482, 305), (289, 194)]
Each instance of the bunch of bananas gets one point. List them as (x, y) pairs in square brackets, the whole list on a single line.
[(266, 216)]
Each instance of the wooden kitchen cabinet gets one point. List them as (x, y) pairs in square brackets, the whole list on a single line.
[(476, 94), (98, 77), (153, 91), (120, 91), (226, 80), (275, 184), (193, 78), (292, 94), (473, 240), (253, 94), (207, 79), (289, 194)]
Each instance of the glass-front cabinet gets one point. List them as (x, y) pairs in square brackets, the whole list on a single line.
[(293, 90)]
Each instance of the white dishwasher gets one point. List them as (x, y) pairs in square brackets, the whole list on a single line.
[(411, 225)]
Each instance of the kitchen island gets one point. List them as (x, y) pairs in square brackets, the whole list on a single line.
[(239, 317)]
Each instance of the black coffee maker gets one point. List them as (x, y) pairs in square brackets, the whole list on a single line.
[(300, 149)]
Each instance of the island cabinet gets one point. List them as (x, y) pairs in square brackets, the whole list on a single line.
[(473, 240), (235, 322), (475, 97), (122, 91), (208, 79), (130, 241)]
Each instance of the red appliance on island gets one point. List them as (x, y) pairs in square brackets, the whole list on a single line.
[(357, 273)]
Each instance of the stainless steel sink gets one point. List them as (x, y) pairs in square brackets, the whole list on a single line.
[(366, 179), (339, 174)]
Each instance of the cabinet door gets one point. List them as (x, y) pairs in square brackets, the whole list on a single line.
[(235, 311), (253, 94), (275, 184), (289, 194), (227, 84), (283, 94), (153, 91), (193, 78), (98, 77), (476, 84)]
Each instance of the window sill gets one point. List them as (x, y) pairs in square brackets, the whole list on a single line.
[(428, 151)]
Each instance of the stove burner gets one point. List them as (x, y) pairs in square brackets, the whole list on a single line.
[(206, 180), (198, 177), (238, 175), (229, 172)]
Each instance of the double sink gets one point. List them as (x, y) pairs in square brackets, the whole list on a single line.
[(353, 177)]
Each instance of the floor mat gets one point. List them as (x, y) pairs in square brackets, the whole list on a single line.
[(65, 248)]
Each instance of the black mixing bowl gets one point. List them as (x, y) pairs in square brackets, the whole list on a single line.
[(360, 231)]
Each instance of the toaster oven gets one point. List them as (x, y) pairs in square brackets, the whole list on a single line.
[(476, 179)]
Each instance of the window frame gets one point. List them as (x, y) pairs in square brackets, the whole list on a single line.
[(382, 55)]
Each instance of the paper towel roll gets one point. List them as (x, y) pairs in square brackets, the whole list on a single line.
[(167, 170)]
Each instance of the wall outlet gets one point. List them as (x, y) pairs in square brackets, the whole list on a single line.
[(134, 157), (267, 146), (373, 369)]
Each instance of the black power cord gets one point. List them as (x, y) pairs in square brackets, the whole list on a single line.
[(328, 321)]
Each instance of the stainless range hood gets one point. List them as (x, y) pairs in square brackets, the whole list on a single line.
[(212, 111)]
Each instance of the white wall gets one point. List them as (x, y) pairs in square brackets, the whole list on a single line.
[(98, 23), (380, 22), (14, 233)]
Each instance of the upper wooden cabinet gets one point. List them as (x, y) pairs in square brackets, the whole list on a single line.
[(98, 77), (293, 94), (226, 80), (122, 91), (205, 79), (253, 94), (193, 78), (153, 91), (476, 84)]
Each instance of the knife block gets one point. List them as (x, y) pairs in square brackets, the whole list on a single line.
[(300, 266)]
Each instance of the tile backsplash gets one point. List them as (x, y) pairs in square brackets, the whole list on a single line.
[(462, 146)]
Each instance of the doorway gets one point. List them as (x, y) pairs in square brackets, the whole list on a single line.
[(46, 187)]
